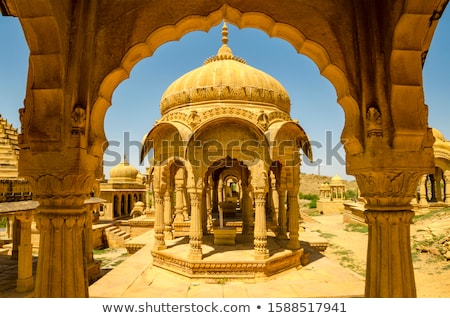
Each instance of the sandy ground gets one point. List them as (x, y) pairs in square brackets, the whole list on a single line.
[(349, 248), (432, 274)]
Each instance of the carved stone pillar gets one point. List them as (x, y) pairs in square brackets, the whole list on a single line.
[(220, 201), (389, 271), (14, 228), (274, 200), (148, 196), (247, 210), (259, 184), (159, 243), (159, 188), (433, 188), (9, 226), (294, 213), (25, 281), (447, 186), (61, 264), (208, 203), (185, 204), (179, 217), (438, 178), (282, 217), (260, 232), (196, 231), (423, 202), (61, 220), (168, 235)]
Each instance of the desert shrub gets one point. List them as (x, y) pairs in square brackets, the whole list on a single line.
[(308, 196), (351, 227), (351, 195), (311, 197)]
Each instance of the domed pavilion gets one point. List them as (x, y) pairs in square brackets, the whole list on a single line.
[(121, 192), (226, 157), (434, 188)]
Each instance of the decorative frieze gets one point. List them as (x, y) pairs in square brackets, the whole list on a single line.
[(195, 117)]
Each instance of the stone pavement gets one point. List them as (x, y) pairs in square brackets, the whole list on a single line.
[(137, 278), (8, 278)]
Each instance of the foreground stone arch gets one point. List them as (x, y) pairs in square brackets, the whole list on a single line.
[(81, 51), (314, 50)]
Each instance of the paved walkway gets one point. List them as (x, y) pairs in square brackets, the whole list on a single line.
[(8, 278), (137, 278)]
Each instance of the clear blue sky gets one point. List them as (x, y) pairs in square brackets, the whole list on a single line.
[(136, 101)]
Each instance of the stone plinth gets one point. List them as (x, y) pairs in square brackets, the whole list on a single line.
[(225, 236), (227, 262), (181, 228), (328, 207), (354, 213)]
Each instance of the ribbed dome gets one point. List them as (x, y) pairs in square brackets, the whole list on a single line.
[(336, 180), (123, 173), (438, 135), (225, 78)]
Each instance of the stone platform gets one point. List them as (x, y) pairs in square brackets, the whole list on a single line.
[(230, 262), (137, 277)]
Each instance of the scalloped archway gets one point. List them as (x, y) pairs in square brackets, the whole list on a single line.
[(243, 20)]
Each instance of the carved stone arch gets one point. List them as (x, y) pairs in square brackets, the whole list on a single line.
[(46, 71), (227, 141), (169, 168), (242, 16), (281, 132), (408, 110), (171, 134), (227, 117)]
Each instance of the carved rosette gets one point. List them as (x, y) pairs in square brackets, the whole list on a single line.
[(69, 190), (78, 119), (374, 122), (388, 190)]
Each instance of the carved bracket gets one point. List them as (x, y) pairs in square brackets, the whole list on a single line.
[(374, 122)]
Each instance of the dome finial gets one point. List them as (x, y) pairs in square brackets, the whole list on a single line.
[(224, 33), (225, 49)]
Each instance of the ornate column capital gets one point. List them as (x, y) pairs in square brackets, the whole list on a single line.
[(24, 216), (66, 190), (259, 182), (388, 189)]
